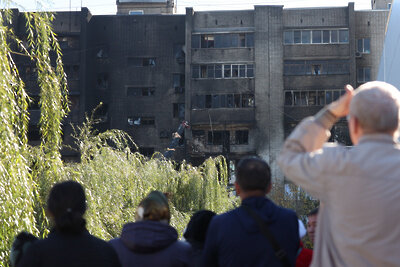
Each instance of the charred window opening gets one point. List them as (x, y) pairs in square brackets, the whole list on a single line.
[(102, 81), (179, 110), (179, 83), (137, 120), (141, 61), (140, 91), (241, 137), (223, 40), (218, 137), (224, 101)]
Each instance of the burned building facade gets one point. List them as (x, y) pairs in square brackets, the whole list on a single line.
[(242, 79)]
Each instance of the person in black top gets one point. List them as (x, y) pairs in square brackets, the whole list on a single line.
[(69, 243)]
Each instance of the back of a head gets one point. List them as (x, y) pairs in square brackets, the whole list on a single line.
[(253, 174), (197, 227), (67, 204), (376, 106), (154, 207)]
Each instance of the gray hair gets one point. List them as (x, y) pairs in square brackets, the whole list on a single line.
[(376, 106)]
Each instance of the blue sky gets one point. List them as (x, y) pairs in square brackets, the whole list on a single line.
[(98, 7)]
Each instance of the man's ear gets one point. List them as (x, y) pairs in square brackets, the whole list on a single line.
[(237, 189), (269, 189)]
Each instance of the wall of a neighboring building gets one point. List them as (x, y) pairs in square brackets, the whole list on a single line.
[(132, 62), (149, 7), (381, 4)]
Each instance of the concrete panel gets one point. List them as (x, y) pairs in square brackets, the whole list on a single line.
[(220, 86), (223, 55), (315, 17), (223, 19), (316, 82), (269, 84), (328, 51)]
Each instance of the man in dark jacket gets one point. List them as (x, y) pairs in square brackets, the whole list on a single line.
[(234, 238), (151, 241)]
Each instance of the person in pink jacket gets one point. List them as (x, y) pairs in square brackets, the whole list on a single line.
[(358, 186)]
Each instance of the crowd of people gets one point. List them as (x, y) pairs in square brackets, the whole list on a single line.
[(355, 225)]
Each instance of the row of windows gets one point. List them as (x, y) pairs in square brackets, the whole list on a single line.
[(311, 97), (316, 67), (141, 61), (223, 101), (223, 71), (239, 137), (333, 36), (137, 120), (140, 91), (225, 40)]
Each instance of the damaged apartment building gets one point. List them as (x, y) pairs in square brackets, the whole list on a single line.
[(242, 79)]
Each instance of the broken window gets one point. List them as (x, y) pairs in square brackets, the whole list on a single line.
[(328, 97), (312, 98), (229, 101), (140, 91), (288, 98), (227, 71), (102, 80), (321, 98), (203, 71), (316, 69), (179, 53), (147, 91), (141, 120), (247, 100), (237, 98), (179, 82), (141, 61), (242, 137), (208, 101), (102, 52), (218, 137), (179, 110), (207, 41), (215, 102)]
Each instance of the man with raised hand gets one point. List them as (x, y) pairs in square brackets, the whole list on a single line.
[(359, 186)]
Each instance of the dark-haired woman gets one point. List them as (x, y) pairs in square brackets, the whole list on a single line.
[(69, 243)]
